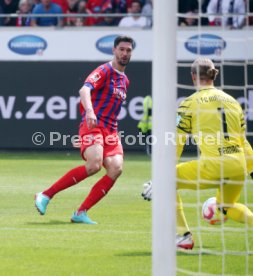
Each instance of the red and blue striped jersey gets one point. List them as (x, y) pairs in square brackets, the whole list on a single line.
[(108, 92)]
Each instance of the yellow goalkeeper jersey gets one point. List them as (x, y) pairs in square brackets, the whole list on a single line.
[(214, 120)]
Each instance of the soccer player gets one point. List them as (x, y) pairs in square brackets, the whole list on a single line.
[(216, 122), (102, 95)]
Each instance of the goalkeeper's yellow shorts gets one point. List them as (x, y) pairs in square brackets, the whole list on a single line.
[(194, 175)]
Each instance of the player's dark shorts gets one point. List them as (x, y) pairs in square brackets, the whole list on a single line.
[(109, 140)]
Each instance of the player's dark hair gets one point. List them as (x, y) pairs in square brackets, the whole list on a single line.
[(137, 1), (119, 39), (204, 69)]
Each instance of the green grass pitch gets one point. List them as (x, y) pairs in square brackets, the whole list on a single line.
[(120, 244)]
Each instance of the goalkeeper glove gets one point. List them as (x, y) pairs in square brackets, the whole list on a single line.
[(147, 191)]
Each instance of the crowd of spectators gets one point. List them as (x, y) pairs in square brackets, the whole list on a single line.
[(226, 13), (25, 9), (132, 13)]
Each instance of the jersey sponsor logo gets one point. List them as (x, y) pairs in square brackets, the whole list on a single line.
[(119, 94), (95, 77), (205, 44), (27, 45)]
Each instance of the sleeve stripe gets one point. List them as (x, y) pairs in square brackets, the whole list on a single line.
[(184, 130), (88, 85)]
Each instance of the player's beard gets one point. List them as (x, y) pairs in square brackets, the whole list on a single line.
[(123, 62)]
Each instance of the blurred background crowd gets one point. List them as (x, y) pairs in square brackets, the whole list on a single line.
[(123, 13)]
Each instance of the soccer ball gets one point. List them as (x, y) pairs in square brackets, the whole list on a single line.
[(210, 213)]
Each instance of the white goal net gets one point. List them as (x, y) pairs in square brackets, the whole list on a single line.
[(225, 249)]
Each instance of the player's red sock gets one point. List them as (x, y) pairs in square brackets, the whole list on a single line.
[(99, 190), (71, 178)]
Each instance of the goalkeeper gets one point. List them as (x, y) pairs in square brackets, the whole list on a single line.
[(216, 122)]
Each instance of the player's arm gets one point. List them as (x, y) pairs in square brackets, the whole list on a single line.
[(85, 95), (184, 118), (248, 151), (181, 138), (94, 81)]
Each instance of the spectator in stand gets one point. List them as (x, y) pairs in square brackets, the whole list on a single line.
[(82, 10), (119, 6), (251, 11), (108, 21), (225, 7), (187, 6), (204, 20), (9, 6), (129, 4), (147, 11), (96, 6), (72, 9), (63, 4), (134, 20), (80, 20), (46, 7), (25, 7), (34, 3), (189, 20), (1, 18)]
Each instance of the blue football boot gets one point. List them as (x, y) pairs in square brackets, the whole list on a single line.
[(41, 202), (82, 217)]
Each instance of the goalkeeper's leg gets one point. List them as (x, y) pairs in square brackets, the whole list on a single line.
[(184, 238), (240, 213), (187, 178), (187, 175), (185, 171), (182, 225), (229, 194)]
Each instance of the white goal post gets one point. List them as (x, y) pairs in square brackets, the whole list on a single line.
[(163, 156)]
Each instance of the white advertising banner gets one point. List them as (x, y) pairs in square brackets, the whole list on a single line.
[(68, 44), (95, 44), (216, 44)]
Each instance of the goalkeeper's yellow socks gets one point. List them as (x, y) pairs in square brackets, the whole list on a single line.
[(182, 225), (240, 213)]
